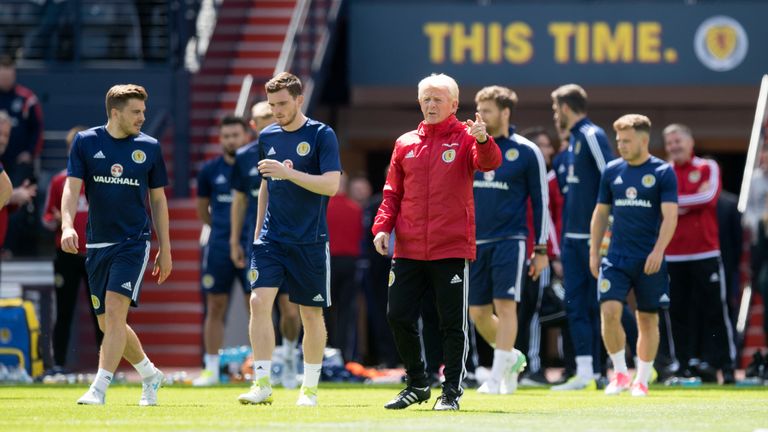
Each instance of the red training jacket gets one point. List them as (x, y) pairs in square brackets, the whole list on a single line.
[(345, 226), (698, 187), (555, 219), (428, 198), (53, 205)]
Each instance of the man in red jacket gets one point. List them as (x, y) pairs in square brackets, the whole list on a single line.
[(427, 200), (701, 328)]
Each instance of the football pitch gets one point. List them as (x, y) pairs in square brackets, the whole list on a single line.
[(359, 408)]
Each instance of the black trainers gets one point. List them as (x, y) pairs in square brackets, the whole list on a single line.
[(757, 367), (447, 402), (409, 396)]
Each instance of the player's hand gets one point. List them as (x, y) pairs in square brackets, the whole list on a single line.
[(653, 262), (237, 255), (381, 243), (162, 268), (594, 263), (538, 263), (557, 268), (69, 240), (274, 169), (477, 128)]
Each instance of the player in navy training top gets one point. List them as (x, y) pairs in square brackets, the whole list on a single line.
[(641, 192), (119, 166), (246, 181), (301, 169), (587, 154), (217, 271), (501, 197)]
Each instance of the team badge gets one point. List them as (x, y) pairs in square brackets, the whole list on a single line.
[(208, 281), (5, 335), (605, 285), (95, 301), (511, 154), (303, 148), (577, 147), (253, 275), (116, 170), (694, 176), (648, 180), (631, 193), (449, 155), (489, 176), (138, 156), (391, 278), (721, 43), (58, 280)]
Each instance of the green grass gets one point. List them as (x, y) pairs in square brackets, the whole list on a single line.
[(359, 408)]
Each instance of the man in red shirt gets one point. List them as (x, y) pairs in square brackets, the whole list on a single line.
[(345, 230), (701, 328), (428, 201), (68, 269)]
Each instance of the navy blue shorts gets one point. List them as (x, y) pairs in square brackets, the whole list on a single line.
[(118, 268), (620, 274), (301, 270), (218, 272), (498, 272)]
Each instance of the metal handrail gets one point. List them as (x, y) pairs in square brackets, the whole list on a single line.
[(288, 49)]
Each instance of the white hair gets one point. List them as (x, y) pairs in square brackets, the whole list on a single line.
[(440, 81), (4, 117)]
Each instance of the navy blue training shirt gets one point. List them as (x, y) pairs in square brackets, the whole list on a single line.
[(635, 194), (213, 182), (117, 174), (294, 214)]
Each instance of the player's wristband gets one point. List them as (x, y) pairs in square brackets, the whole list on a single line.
[(540, 249)]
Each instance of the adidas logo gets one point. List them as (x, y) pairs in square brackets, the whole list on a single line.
[(253, 172), (714, 277), (456, 279), (221, 179), (664, 298), (99, 155), (618, 180), (410, 154), (318, 298), (271, 151), (127, 285)]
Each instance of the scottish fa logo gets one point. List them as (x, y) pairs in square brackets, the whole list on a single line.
[(631, 193), (391, 278), (511, 154), (95, 302), (694, 176), (721, 44), (208, 281), (303, 148), (449, 155), (605, 285), (116, 170), (253, 275), (648, 180), (138, 156)]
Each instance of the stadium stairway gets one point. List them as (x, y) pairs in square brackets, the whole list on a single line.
[(169, 319), (247, 40)]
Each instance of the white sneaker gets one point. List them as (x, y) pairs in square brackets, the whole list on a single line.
[(92, 397), (576, 383), (260, 393), (150, 387), (206, 378), (307, 397), (490, 387), (639, 389), (289, 372), (509, 383)]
